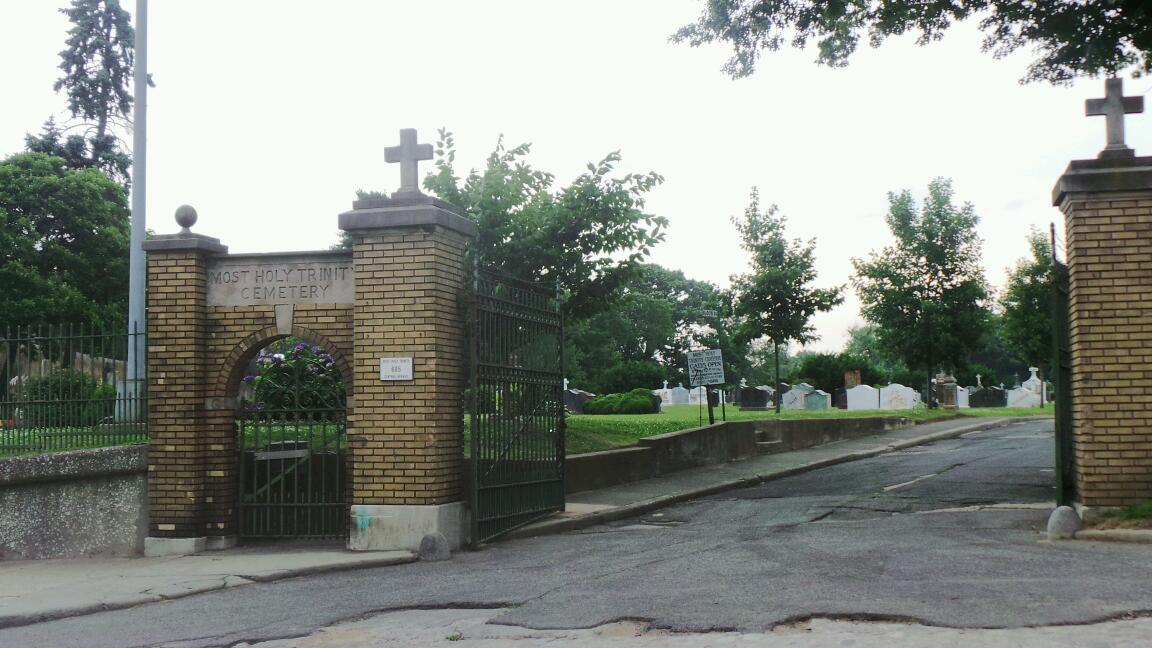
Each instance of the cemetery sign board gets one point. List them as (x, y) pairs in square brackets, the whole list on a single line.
[(705, 367), (270, 279)]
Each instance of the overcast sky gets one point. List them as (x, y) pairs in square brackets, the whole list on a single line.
[(267, 116)]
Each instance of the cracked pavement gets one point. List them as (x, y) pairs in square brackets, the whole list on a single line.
[(947, 534)]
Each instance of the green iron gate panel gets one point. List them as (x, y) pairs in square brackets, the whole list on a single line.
[(1062, 378), (516, 404), (291, 448)]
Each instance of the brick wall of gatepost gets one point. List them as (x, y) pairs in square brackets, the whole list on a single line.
[(197, 357), (1107, 205), (177, 332), (406, 437)]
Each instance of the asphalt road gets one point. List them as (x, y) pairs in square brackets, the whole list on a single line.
[(947, 534)]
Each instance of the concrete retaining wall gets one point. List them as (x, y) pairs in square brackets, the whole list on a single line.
[(71, 504), (731, 441)]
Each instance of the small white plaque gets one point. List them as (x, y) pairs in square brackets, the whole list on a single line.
[(395, 368)]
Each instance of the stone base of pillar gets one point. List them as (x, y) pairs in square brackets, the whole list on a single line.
[(386, 527), (160, 547), (219, 543)]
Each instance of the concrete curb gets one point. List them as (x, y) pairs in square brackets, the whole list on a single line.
[(1115, 535), (225, 582), (560, 525)]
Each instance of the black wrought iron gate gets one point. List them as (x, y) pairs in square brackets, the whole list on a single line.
[(1062, 378), (291, 450), (516, 404)]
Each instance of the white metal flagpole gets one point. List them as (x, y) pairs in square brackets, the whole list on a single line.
[(137, 268)]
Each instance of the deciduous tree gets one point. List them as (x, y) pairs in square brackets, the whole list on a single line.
[(927, 293), (775, 299), (63, 242), (589, 236), (1027, 324), (1071, 38)]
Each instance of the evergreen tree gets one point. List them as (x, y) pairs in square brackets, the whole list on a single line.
[(97, 71)]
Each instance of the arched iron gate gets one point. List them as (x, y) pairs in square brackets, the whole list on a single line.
[(291, 449)]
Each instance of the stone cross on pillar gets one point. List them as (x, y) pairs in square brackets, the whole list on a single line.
[(408, 154), (1114, 106)]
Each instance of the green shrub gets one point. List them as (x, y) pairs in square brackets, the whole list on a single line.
[(66, 398), (637, 401)]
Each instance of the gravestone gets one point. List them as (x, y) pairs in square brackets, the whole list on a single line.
[(840, 398), (1023, 397), (817, 400), (897, 397), (988, 397), (944, 387), (962, 397), (665, 394), (852, 378), (794, 398), (753, 398), (696, 396), (680, 395), (863, 397), (574, 400)]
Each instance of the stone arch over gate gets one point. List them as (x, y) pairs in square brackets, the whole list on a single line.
[(394, 299)]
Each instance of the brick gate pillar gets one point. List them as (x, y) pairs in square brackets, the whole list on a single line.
[(1107, 206), (405, 432), (180, 458)]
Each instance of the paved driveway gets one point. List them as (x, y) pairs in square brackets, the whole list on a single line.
[(947, 534)]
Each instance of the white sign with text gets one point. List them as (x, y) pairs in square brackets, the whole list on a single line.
[(395, 368), (705, 367)]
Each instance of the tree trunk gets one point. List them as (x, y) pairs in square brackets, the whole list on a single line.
[(778, 395)]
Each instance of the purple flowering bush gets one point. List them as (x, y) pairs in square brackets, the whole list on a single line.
[(293, 374)]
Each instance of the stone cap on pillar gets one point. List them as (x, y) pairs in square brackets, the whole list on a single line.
[(184, 239), (405, 210), (1115, 174)]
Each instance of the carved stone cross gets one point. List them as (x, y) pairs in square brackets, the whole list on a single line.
[(1114, 106), (408, 154)]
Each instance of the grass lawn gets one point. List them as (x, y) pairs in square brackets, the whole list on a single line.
[(587, 433)]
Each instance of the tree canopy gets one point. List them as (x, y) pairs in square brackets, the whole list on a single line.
[(1027, 324), (63, 242), (775, 299), (1071, 38), (589, 236), (927, 293)]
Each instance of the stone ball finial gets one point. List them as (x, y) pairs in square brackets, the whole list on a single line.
[(185, 218)]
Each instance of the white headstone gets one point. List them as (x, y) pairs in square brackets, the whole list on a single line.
[(679, 395), (697, 396), (1033, 383), (794, 399), (962, 397), (897, 397), (1023, 397), (863, 397)]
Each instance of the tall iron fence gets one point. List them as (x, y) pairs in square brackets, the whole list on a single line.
[(70, 386), (517, 405)]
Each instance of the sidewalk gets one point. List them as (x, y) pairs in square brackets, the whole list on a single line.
[(39, 590)]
